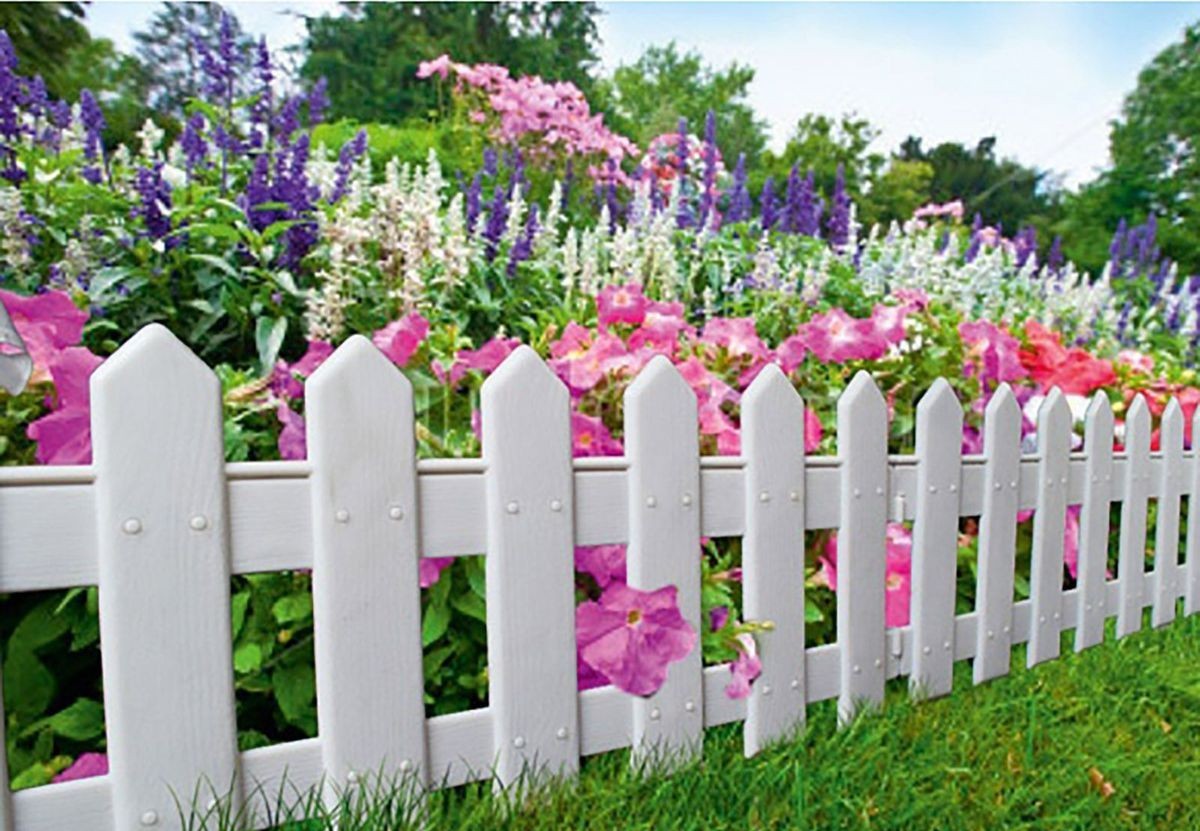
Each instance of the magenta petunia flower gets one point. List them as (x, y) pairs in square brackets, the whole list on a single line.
[(581, 371), (429, 569), (605, 563), (47, 323), (439, 66), (717, 617), (621, 304), (790, 353), (744, 668), (836, 337), (737, 336), (64, 436), (284, 380), (484, 359), (85, 766), (632, 636), (898, 577), (292, 442), (661, 328), (401, 339), (993, 354)]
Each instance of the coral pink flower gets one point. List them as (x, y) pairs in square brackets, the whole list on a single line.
[(47, 323), (605, 563), (898, 586), (1051, 364), (85, 766), (591, 438), (744, 668), (429, 569), (573, 341), (632, 636), (836, 337), (993, 353), (64, 436), (621, 304), (400, 339)]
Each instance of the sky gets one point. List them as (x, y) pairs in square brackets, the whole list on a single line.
[(1044, 78)]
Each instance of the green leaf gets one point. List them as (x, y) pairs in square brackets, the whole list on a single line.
[(295, 691), (471, 605), (80, 722), (435, 624), (292, 608), (240, 601), (268, 337), (812, 612), (28, 686), (247, 658), (33, 776), (217, 263)]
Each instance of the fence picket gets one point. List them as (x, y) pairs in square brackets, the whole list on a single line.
[(163, 569), (1191, 603), (935, 540), (998, 535), (862, 430), (530, 571), (1049, 523), (1094, 523), (1131, 566), (664, 546), (366, 600), (1166, 529), (773, 553)]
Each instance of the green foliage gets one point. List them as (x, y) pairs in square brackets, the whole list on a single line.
[(821, 143), (370, 54), (43, 34), (895, 193), (648, 97)]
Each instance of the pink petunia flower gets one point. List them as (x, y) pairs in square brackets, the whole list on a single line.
[(484, 359), (64, 436), (292, 442), (429, 569), (439, 66), (898, 586), (284, 382), (993, 353), (835, 337), (632, 636), (790, 354), (47, 323), (85, 766), (744, 668), (581, 371), (605, 563), (661, 328), (718, 616), (813, 431), (1137, 361), (591, 438), (401, 339), (621, 304), (737, 336)]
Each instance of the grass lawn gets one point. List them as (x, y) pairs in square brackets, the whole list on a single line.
[(1106, 739)]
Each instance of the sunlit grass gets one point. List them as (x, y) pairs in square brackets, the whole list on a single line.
[(1106, 739)]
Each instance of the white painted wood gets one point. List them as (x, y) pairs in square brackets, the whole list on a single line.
[(935, 540), (997, 536), (1166, 532), (1191, 603), (1131, 565), (664, 547), (366, 598), (862, 430), (773, 554), (530, 571), (1049, 522), (164, 580), (1094, 523)]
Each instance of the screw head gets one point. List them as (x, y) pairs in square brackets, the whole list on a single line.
[(764, 497), (997, 486), (795, 683), (991, 634), (396, 512), (556, 505), (928, 650), (405, 765), (690, 706), (651, 502), (686, 499), (198, 523), (512, 507), (1013, 485), (342, 515), (794, 496), (946, 645), (933, 488), (879, 490), (1007, 629), (561, 734), (857, 493), (766, 690), (133, 525), (149, 818), (878, 663), (519, 742), (857, 669), (352, 777), (655, 714)]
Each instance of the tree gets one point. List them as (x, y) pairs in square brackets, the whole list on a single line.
[(1002, 191), (896, 192), (119, 82), (370, 55), (822, 144), (43, 34), (648, 97), (1155, 166), (168, 51)]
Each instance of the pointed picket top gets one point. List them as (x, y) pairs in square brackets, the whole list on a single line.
[(937, 409), (153, 360), (1137, 424), (659, 384), (861, 394), (357, 361), (771, 390), (1054, 419), (1002, 417), (1098, 423), (523, 379), (1171, 428)]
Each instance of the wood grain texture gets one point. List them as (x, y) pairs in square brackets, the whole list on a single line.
[(664, 547), (773, 554), (1049, 525), (1166, 529), (1131, 566), (530, 571), (164, 580), (1094, 522), (366, 599)]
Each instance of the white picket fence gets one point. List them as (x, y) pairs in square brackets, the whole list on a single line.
[(160, 522)]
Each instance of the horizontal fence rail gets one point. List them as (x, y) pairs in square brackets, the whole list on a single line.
[(160, 522)]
